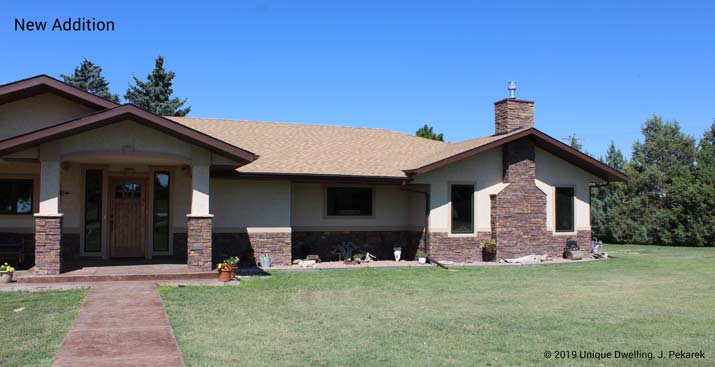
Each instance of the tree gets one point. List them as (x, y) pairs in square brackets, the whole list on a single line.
[(575, 142), (154, 95), (662, 171), (609, 213), (428, 133), (88, 77)]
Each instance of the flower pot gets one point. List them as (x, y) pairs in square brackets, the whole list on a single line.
[(489, 255), (227, 273), (422, 260), (6, 276)]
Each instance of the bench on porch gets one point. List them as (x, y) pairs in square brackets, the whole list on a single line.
[(12, 249)]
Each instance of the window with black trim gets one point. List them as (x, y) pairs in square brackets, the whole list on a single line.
[(349, 201), (564, 209), (16, 196), (93, 210), (161, 211), (462, 197)]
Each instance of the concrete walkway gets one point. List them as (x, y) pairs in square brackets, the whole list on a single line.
[(121, 324)]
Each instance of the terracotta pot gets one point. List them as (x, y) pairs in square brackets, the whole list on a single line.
[(227, 274), (6, 277)]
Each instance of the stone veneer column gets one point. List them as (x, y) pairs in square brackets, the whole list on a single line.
[(199, 242), (48, 235)]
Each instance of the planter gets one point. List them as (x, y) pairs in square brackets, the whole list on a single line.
[(226, 274), (422, 260), (489, 255), (6, 276)]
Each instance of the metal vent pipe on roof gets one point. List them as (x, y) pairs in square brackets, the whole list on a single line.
[(512, 89)]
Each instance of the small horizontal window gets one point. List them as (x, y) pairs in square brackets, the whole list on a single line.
[(349, 201), (16, 196)]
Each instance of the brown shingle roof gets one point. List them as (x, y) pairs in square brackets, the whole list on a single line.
[(289, 148)]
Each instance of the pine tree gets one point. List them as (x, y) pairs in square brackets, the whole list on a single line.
[(428, 133), (154, 95), (610, 218), (575, 142), (662, 172), (88, 77)]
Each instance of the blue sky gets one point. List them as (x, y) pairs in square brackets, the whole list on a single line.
[(596, 69)]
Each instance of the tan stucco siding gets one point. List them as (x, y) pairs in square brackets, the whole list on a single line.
[(391, 210), (37, 112), (483, 170), (248, 205), (551, 172)]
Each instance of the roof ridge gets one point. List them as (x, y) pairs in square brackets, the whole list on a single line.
[(306, 124)]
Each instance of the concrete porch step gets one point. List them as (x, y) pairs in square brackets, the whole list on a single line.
[(85, 278)]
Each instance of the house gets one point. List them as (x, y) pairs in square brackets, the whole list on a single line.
[(83, 177)]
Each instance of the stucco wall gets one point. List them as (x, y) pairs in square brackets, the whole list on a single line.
[(483, 170), (250, 205), (26, 115), (391, 210), (551, 172)]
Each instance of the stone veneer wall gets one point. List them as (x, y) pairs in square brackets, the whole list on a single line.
[(198, 243), (48, 233), (457, 248), (250, 246), (377, 243), (520, 209), (512, 114)]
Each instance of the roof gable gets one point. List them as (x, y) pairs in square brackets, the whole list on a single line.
[(44, 84), (120, 113), (468, 148)]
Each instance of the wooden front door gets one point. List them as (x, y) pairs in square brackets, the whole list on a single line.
[(127, 216)]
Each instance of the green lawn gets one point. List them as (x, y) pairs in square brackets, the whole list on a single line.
[(645, 298), (31, 337)]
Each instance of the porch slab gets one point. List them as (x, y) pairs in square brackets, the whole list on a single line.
[(87, 274)]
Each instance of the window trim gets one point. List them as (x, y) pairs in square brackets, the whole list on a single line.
[(474, 208), (35, 194), (573, 210), (373, 190), (170, 208)]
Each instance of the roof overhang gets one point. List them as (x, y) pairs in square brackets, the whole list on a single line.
[(121, 113), (45, 84), (309, 177), (543, 141)]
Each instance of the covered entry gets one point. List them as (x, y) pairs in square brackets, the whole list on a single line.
[(121, 184)]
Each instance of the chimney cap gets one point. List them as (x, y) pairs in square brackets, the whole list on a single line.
[(512, 89)]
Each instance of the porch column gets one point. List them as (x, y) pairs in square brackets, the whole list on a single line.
[(48, 221), (200, 220)]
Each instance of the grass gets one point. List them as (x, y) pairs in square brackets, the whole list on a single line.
[(646, 298), (32, 336)]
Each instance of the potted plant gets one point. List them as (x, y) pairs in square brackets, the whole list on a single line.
[(6, 272), (422, 257), (227, 269), (489, 250), (397, 251), (358, 256)]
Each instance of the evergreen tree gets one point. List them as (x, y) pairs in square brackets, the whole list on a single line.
[(154, 95), (662, 165), (610, 218), (88, 77), (428, 133), (575, 142)]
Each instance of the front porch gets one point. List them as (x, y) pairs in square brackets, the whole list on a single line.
[(120, 184)]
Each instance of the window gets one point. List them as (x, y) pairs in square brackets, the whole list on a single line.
[(564, 209), (93, 210), (349, 201), (462, 197), (161, 212), (16, 196)]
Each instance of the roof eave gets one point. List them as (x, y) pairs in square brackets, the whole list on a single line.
[(43, 84), (124, 112)]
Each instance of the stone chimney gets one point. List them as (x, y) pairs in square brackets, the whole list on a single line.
[(511, 113)]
